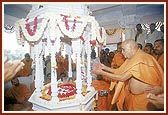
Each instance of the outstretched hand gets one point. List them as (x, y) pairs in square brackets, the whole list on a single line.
[(155, 94), (157, 100), (97, 68), (11, 68)]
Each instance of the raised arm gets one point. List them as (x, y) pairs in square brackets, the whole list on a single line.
[(11, 68), (118, 77), (103, 67)]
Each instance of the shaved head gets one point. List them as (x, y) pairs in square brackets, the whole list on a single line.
[(129, 48), (130, 44)]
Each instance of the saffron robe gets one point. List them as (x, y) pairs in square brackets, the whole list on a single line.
[(117, 60), (19, 93), (60, 67), (27, 69), (161, 61), (144, 68), (104, 102)]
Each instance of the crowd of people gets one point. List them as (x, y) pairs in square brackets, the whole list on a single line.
[(129, 55), (131, 78), (16, 97)]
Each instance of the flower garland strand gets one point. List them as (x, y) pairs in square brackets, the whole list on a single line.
[(37, 34), (74, 25), (32, 35), (76, 33), (30, 31), (101, 34), (100, 31), (82, 38), (66, 22)]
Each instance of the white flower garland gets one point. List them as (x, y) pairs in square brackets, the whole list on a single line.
[(52, 26), (52, 29), (101, 39), (21, 23), (93, 28), (96, 33), (18, 33), (76, 33)]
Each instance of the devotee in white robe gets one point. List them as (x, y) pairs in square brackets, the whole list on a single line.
[(154, 34)]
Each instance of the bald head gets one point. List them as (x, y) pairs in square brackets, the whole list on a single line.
[(130, 44), (129, 48)]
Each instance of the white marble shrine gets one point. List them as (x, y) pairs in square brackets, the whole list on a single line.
[(49, 25)]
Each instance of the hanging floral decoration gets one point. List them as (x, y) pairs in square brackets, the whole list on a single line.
[(29, 30), (101, 36), (93, 42), (28, 33), (71, 32), (21, 34), (82, 38), (74, 25), (100, 31), (24, 31), (21, 38), (66, 22)]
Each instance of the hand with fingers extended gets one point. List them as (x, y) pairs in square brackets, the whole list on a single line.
[(98, 68), (11, 68), (155, 94), (157, 100)]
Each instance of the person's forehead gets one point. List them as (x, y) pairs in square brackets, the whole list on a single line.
[(157, 42), (147, 47)]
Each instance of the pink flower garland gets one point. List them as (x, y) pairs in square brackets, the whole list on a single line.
[(100, 30), (93, 42), (82, 38), (30, 31), (74, 25), (66, 22)]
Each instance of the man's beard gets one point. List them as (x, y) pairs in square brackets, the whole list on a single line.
[(157, 52)]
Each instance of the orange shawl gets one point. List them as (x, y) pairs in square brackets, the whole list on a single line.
[(19, 93), (27, 70), (161, 61), (144, 68), (103, 103), (117, 60)]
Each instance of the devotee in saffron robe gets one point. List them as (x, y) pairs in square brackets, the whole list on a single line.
[(140, 70), (27, 69), (159, 51), (60, 67), (118, 58), (104, 102), (16, 97)]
